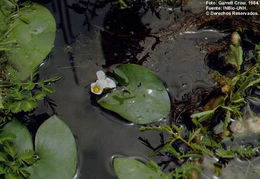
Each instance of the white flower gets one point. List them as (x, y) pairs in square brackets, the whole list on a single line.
[(102, 83)]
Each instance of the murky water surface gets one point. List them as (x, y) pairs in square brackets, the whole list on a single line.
[(92, 36)]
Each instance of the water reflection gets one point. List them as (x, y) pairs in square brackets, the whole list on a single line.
[(88, 9), (122, 34)]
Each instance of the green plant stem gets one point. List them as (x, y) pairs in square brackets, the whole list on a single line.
[(122, 3), (37, 83), (7, 42), (183, 140)]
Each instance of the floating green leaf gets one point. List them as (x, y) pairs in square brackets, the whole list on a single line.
[(18, 153), (128, 168), (144, 98), (34, 37), (23, 139), (54, 144), (56, 148)]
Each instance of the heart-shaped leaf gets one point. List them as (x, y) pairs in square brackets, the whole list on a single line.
[(144, 98), (128, 168), (56, 147), (54, 144), (34, 32)]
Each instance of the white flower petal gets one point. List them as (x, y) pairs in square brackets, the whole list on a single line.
[(102, 83), (110, 83), (100, 75), (96, 88)]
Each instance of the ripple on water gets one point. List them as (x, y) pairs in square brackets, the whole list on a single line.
[(180, 63)]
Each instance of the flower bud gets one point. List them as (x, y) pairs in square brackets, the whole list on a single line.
[(235, 38)]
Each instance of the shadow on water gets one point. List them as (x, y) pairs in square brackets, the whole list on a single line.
[(77, 55), (181, 48), (122, 34), (88, 9)]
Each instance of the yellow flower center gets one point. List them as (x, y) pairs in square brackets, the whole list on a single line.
[(96, 89)]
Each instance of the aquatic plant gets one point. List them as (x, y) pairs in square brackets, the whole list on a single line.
[(235, 90), (101, 83), (141, 98), (138, 169), (18, 96), (14, 163), (53, 154), (231, 95), (27, 38)]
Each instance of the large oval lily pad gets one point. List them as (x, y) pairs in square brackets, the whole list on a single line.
[(143, 98), (34, 32), (57, 152), (128, 168)]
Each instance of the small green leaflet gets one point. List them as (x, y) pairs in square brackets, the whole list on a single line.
[(237, 53)]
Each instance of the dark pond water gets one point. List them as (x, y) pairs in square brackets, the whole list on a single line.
[(92, 36)]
